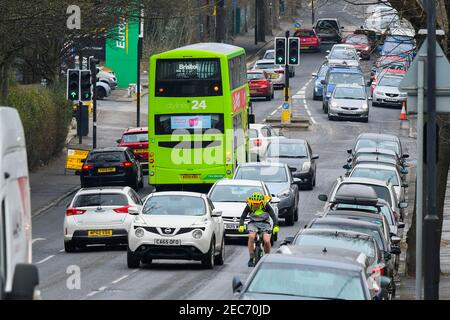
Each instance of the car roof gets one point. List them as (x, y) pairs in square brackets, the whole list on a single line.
[(349, 85), (376, 151), (341, 69), (267, 61), (262, 164), (288, 141), (177, 193), (343, 221), (375, 166), (255, 71), (109, 149), (383, 136), (270, 50), (237, 182), (359, 180), (96, 190), (354, 213), (331, 257), (337, 232), (136, 130)]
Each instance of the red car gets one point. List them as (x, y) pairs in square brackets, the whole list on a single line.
[(361, 43), (308, 39), (137, 140), (260, 85)]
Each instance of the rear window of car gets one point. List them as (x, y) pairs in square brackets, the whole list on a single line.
[(100, 200), (252, 133), (305, 33), (107, 157), (327, 24), (135, 137), (266, 66), (357, 39), (255, 76)]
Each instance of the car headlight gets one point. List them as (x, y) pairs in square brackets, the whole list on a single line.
[(334, 104), (329, 95), (284, 194), (197, 234), (139, 233), (306, 166), (364, 106)]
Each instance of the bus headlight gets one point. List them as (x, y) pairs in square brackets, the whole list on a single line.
[(228, 171), (152, 173)]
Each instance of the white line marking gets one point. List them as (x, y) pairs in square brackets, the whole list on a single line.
[(46, 259), (93, 293), (308, 112), (279, 107), (62, 250), (313, 121), (37, 239), (299, 96), (102, 289), (120, 279), (274, 111)]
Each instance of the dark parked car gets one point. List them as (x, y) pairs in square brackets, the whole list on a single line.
[(298, 155), (310, 273), (328, 30), (114, 166)]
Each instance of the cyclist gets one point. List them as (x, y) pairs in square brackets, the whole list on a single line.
[(260, 212)]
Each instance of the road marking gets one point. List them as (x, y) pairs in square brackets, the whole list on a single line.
[(37, 239), (46, 259), (273, 112), (299, 96), (120, 279), (313, 121), (62, 250), (93, 293), (309, 113)]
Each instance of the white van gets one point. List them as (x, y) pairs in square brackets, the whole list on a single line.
[(18, 277)]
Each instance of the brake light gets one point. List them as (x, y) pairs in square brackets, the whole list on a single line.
[(87, 167), (378, 269), (127, 164), (257, 142), (74, 212), (122, 209), (279, 71)]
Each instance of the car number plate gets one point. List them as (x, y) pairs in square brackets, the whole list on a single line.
[(106, 170), (190, 176), (231, 226), (100, 233), (390, 100), (253, 91), (273, 76), (168, 242), (140, 151)]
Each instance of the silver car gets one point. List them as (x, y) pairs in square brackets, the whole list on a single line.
[(387, 92), (343, 55), (349, 101), (275, 71)]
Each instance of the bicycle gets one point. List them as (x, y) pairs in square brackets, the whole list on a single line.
[(259, 246)]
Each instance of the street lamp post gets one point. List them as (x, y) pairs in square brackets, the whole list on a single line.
[(138, 80)]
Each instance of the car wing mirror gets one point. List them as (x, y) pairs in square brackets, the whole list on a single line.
[(405, 156), (349, 151), (346, 166), (404, 171), (119, 141), (323, 197), (323, 82), (403, 205), (292, 169), (134, 211), (315, 157), (369, 98), (237, 284), (216, 213), (314, 75), (405, 185), (401, 225), (287, 241), (395, 240), (395, 250), (275, 200)]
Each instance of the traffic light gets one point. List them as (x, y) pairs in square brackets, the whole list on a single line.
[(293, 51), (73, 84), (85, 85), (280, 50)]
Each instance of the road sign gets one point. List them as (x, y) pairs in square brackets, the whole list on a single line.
[(409, 82), (293, 51), (285, 105), (75, 157), (73, 84), (280, 50)]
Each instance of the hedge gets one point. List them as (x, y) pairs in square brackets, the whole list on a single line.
[(45, 115)]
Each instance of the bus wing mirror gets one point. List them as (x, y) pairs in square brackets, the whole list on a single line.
[(251, 118)]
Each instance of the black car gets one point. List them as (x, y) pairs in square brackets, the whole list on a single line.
[(328, 30), (298, 155), (310, 273), (114, 166)]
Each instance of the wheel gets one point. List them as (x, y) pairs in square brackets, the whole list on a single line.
[(208, 258), (314, 181), (258, 253), (69, 246), (290, 217), (135, 185), (220, 259), (133, 260), (314, 95), (141, 184), (273, 94), (365, 120), (324, 108), (101, 93), (296, 214), (330, 117)]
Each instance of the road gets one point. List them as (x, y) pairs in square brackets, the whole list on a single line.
[(104, 273)]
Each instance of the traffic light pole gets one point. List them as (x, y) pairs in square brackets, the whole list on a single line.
[(286, 74), (79, 120), (431, 220)]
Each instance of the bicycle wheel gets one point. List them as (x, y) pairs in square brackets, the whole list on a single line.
[(258, 252)]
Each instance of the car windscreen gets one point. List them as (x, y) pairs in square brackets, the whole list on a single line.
[(269, 55), (375, 233), (384, 210), (221, 193), (323, 70), (397, 48), (255, 76), (106, 157), (375, 173), (350, 93), (339, 240), (262, 173), (342, 55), (100, 200), (174, 205), (378, 143), (135, 137), (252, 134), (330, 25), (287, 150), (307, 281), (357, 40), (390, 82), (346, 78)]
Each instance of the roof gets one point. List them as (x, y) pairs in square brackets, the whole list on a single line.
[(262, 164), (331, 257), (379, 136), (268, 61), (136, 130), (343, 69), (337, 232), (358, 180), (288, 141), (213, 47), (343, 221), (376, 151), (109, 149), (235, 182), (101, 190), (375, 166), (349, 85), (177, 193), (348, 213)]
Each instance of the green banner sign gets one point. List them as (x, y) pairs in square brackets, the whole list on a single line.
[(121, 52)]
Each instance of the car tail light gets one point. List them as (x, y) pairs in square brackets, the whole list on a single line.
[(257, 142), (122, 209), (279, 71), (87, 167), (379, 269), (74, 212), (127, 164)]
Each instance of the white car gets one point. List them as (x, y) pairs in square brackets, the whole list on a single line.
[(276, 71), (103, 90), (343, 55), (99, 216), (270, 55), (229, 195), (260, 135), (387, 92), (176, 225), (108, 78)]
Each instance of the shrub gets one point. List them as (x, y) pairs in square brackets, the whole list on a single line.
[(45, 115)]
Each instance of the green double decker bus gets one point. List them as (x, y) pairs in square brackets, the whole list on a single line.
[(198, 114)]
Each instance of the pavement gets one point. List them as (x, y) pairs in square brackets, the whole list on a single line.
[(103, 270)]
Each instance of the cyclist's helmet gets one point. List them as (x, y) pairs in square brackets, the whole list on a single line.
[(256, 200)]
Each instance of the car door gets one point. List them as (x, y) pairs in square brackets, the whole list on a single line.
[(313, 161), (266, 138), (293, 186), (136, 163), (218, 225)]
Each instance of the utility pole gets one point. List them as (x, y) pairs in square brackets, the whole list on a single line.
[(312, 12), (256, 21), (431, 220), (138, 80), (220, 25)]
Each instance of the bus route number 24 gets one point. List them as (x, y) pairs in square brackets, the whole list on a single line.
[(196, 105)]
